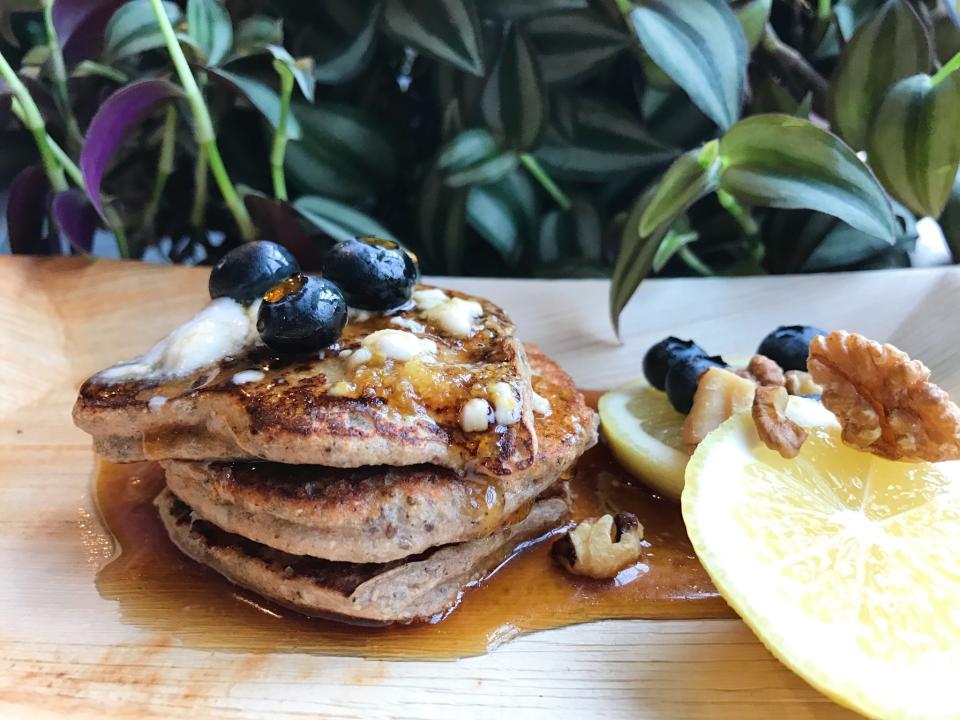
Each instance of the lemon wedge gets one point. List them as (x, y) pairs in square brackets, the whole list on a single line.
[(846, 565), (644, 433)]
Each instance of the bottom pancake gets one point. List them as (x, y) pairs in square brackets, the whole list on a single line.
[(416, 588)]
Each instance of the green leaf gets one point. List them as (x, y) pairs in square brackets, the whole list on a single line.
[(344, 153), (913, 142), (504, 213), (701, 46), (90, 68), (514, 102), (753, 16), (341, 38), (441, 221), (599, 139), (787, 162), (687, 180), (635, 259), (516, 9), (474, 157), (302, 70), (208, 23), (890, 46), (571, 235), (133, 29), (255, 33), (572, 45), (263, 97), (339, 221), (671, 244), (448, 30)]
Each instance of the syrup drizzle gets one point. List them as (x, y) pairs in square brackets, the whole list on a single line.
[(160, 590)]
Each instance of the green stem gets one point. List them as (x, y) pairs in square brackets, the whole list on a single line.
[(119, 232), (164, 167), (737, 211), (279, 151), (951, 65), (788, 60), (206, 136), (540, 175), (33, 121), (58, 153), (824, 9), (197, 216), (694, 262), (59, 68), (625, 6)]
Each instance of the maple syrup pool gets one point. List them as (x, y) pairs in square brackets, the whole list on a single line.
[(161, 590)]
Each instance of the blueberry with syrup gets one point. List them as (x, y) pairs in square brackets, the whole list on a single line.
[(248, 271), (303, 313), (372, 273)]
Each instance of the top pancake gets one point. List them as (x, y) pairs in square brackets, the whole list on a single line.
[(323, 409)]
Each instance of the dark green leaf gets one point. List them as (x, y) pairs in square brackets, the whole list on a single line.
[(571, 235), (701, 46), (302, 70), (572, 45), (344, 153), (672, 243), (514, 102), (341, 39), (950, 220), (890, 46), (600, 139), (692, 176), (474, 157), (208, 23), (447, 30), (515, 9), (255, 33), (339, 221), (504, 213), (133, 29), (441, 221), (787, 162), (753, 16), (635, 259), (263, 97), (913, 142)]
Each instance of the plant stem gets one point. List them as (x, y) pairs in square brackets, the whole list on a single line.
[(116, 225), (164, 167), (824, 9), (625, 6), (540, 175), (59, 68), (279, 150), (199, 189), (31, 118), (737, 211), (951, 65), (791, 61), (695, 263), (67, 162), (206, 136)]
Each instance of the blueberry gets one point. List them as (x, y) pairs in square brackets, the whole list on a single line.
[(789, 345), (662, 356), (374, 274), (248, 271), (683, 377), (303, 313)]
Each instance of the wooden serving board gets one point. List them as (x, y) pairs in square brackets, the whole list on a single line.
[(65, 650)]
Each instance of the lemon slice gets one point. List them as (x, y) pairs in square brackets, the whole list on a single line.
[(643, 431), (846, 565)]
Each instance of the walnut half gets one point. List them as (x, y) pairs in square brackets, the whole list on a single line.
[(883, 399), (600, 547), (777, 431)]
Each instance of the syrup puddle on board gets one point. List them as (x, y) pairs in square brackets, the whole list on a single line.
[(161, 590)]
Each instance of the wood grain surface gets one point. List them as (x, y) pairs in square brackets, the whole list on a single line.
[(65, 651)]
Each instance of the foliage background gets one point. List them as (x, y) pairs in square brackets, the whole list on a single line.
[(503, 137)]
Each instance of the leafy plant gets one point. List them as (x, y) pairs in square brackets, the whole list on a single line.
[(549, 137)]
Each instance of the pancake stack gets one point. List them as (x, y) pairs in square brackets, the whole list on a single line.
[(372, 481)]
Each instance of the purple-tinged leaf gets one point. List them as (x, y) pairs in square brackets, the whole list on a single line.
[(122, 110), (26, 211), (75, 218), (80, 26), (278, 221)]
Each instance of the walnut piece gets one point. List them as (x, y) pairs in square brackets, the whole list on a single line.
[(799, 382), (600, 547), (720, 394), (765, 371), (777, 431), (883, 399)]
